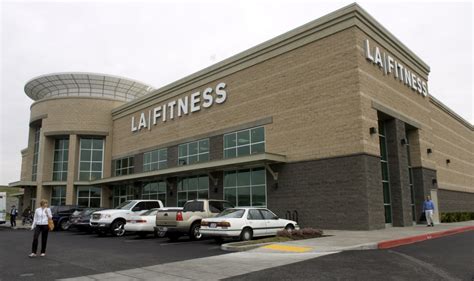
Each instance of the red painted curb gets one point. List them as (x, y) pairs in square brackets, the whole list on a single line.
[(413, 239)]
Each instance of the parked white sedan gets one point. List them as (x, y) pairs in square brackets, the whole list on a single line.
[(245, 223), (142, 224)]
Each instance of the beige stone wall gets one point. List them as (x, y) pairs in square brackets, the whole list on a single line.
[(311, 93), (24, 166), (74, 114), (393, 94), (446, 136), (454, 141)]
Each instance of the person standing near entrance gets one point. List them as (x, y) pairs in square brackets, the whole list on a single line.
[(13, 214), (40, 226), (428, 208)]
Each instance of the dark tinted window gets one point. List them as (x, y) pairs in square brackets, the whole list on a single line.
[(194, 206), (140, 206), (152, 205), (267, 214), (254, 215)]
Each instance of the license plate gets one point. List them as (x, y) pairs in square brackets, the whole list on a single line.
[(212, 225), (162, 229)]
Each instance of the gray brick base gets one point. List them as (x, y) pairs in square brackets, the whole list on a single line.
[(454, 201), (336, 193)]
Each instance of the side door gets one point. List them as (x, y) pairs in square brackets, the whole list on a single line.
[(257, 222), (272, 221)]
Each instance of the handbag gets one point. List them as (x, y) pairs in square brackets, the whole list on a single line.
[(50, 224)]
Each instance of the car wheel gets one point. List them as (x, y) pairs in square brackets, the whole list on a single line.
[(118, 228), (246, 234), (289, 228), (194, 232), (64, 224)]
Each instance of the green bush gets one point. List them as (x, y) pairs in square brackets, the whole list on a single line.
[(299, 234), (457, 217)]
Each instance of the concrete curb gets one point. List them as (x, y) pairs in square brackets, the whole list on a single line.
[(232, 247), (418, 238)]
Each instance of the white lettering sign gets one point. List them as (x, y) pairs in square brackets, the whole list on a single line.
[(391, 66), (184, 106)]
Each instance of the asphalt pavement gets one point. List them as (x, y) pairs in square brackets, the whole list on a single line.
[(72, 254), (446, 258)]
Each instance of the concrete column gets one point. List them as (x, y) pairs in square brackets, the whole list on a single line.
[(398, 173), (106, 196), (72, 173), (107, 165)]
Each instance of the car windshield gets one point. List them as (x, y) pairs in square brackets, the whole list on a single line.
[(127, 205), (231, 213), (150, 212)]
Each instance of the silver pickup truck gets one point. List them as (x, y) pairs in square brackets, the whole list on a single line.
[(175, 224)]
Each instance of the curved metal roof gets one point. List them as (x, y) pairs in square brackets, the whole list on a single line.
[(85, 85)]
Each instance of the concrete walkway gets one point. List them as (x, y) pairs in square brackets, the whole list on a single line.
[(233, 264)]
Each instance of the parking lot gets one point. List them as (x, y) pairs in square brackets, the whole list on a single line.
[(71, 254)]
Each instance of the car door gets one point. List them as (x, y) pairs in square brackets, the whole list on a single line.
[(257, 222), (272, 221)]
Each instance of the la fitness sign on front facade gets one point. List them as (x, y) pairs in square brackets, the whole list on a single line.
[(392, 67), (182, 107)]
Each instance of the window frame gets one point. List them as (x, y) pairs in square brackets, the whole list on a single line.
[(64, 148), (184, 159), (147, 166), (250, 143), (89, 187), (251, 186), (129, 169), (91, 161)]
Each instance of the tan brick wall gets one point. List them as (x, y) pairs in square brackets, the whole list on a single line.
[(446, 136), (392, 93), (310, 92), (454, 141)]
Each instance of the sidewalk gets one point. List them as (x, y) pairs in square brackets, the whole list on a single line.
[(18, 225), (342, 240), (233, 264)]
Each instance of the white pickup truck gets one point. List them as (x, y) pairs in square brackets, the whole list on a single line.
[(113, 220)]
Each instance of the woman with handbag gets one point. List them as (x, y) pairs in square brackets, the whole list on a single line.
[(41, 225)]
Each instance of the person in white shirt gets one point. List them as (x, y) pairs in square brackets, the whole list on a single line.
[(40, 226)]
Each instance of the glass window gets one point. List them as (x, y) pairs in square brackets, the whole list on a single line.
[(58, 196), (91, 158), (89, 196), (267, 214), (246, 187), (254, 215), (193, 152), (155, 160), (123, 166), (385, 173), (34, 169), (155, 191), (192, 188), (246, 142)]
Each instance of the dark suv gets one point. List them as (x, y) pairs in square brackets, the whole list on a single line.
[(61, 215)]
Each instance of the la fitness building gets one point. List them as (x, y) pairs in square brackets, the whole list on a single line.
[(331, 123)]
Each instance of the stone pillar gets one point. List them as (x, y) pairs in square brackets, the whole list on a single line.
[(72, 161), (107, 165), (398, 173)]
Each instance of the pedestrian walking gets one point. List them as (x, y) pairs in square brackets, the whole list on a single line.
[(40, 226), (27, 216), (13, 214), (428, 208)]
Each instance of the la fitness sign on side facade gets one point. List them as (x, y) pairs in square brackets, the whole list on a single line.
[(392, 67), (182, 107)]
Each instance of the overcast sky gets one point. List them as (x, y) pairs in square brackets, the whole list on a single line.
[(160, 42)]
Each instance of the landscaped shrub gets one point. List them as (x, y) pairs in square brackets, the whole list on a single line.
[(456, 217), (299, 234)]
